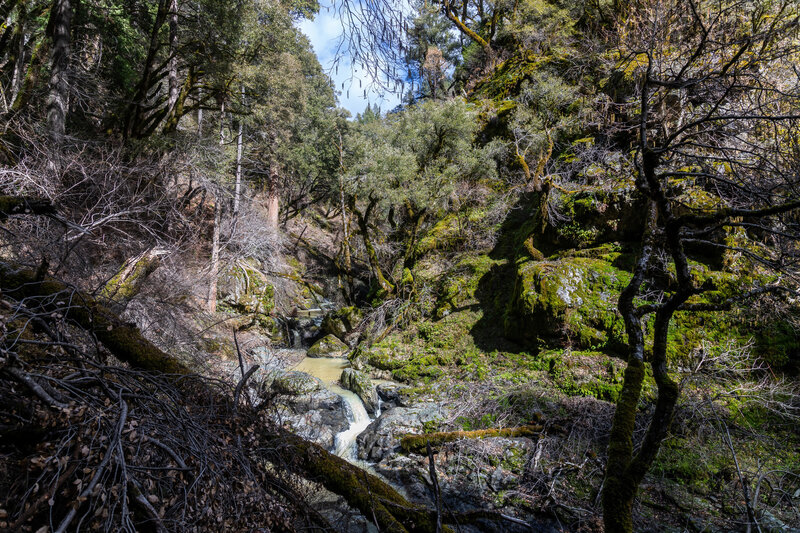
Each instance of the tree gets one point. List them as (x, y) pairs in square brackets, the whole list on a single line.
[(58, 97), (409, 163), (716, 159)]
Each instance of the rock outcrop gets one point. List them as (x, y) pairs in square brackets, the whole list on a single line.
[(328, 346), (359, 383)]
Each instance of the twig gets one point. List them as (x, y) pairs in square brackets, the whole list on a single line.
[(146, 507), (37, 389), (170, 451), (98, 473), (241, 384)]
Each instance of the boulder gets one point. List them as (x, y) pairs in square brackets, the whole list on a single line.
[(341, 322), (317, 416), (246, 290), (328, 346), (359, 383), (569, 299), (382, 436), (295, 383), (392, 394)]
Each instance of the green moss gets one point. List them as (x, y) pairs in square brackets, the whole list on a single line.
[(570, 299), (460, 284)]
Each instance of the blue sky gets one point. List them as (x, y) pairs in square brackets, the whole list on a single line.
[(324, 32)]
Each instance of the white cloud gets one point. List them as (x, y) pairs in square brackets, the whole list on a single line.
[(324, 32)]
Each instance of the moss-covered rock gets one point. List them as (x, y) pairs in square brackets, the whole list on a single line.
[(572, 299), (461, 283), (359, 383), (328, 346), (342, 321), (295, 383), (246, 290)]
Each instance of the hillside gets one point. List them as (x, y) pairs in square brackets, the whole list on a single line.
[(556, 289)]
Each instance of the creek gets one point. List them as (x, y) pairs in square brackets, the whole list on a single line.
[(328, 370)]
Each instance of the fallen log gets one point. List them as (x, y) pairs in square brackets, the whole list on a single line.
[(122, 339), (130, 278), (413, 443)]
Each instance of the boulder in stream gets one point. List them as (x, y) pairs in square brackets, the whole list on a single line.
[(317, 416), (295, 383), (328, 346), (359, 383), (393, 394), (382, 437)]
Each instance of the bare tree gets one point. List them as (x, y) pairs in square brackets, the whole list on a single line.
[(717, 128), (58, 96)]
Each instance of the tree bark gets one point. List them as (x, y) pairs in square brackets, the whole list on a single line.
[(211, 297), (130, 278), (173, 52), (372, 254), (237, 193), (58, 95)]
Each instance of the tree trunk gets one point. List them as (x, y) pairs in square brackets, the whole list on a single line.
[(177, 110), (31, 78), (273, 195), (372, 254), (200, 113), (128, 281), (135, 116), (173, 52), (211, 298), (58, 95), (237, 193)]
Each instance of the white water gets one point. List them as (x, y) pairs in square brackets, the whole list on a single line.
[(328, 370)]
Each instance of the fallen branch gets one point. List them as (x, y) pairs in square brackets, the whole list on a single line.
[(37, 389), (418, 443)]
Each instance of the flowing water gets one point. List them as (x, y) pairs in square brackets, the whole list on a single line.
[(328, 370)]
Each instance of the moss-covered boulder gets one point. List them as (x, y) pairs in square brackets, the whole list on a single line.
[(461, 283), (342, 321), (295, 383), (328, 346), (359, 383), (246, 290), (571, 299)]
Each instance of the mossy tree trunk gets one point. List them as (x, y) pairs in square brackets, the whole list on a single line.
[(414, 218), (372, 254), (130, 278)]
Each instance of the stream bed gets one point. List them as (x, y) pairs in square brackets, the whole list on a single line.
[(328, 370)]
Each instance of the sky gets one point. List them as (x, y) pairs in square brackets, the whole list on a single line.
[(324, 32)]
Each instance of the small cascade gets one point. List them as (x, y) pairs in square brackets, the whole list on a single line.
[(328, 370), (345, 442)]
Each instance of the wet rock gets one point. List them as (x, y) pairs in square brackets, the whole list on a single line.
[(328, 346), (341, 322), (382, 437), (295, 383), (360, 383), (392, 394), (317, 416)]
